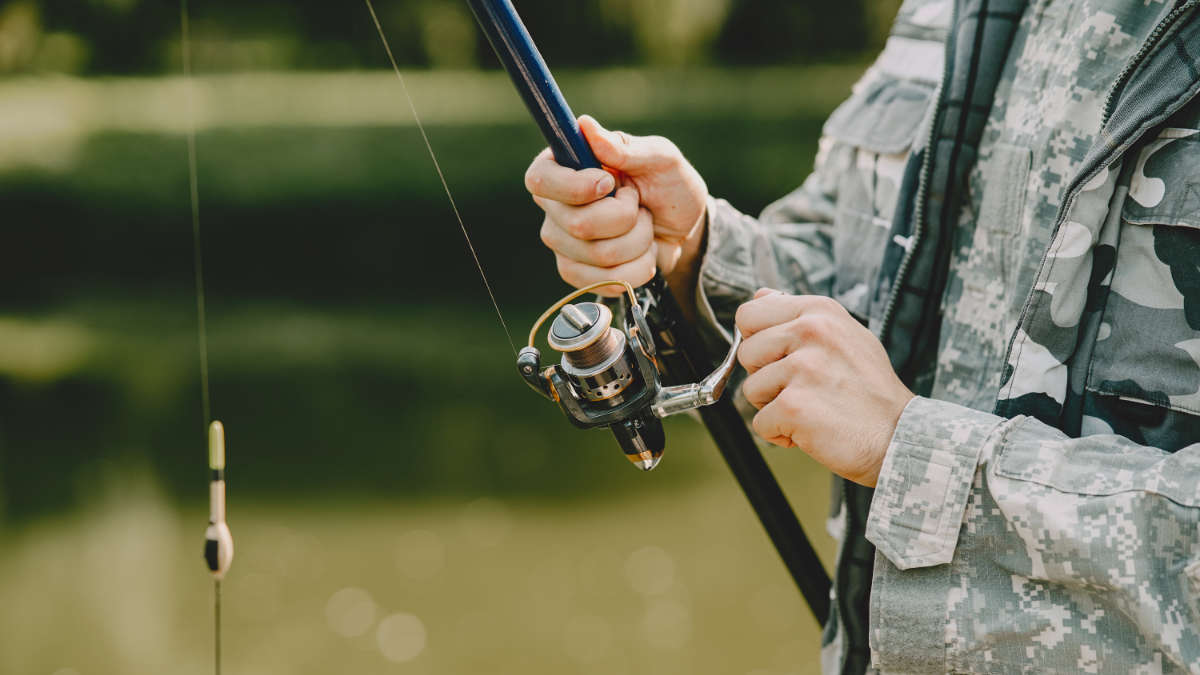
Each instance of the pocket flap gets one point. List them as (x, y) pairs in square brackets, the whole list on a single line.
[(882, 116), (1165, 186)]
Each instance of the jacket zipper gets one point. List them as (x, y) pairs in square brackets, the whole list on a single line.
[(1069, 202), (890, 309), (927, 160), (922, 192), (1147, 47)]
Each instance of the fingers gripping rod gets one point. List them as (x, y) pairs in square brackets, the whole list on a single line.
[(683, 357)]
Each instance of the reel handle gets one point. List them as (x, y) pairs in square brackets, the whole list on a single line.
[(684, 397)]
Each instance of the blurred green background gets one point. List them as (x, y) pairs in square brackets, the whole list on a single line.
[(400, 501)]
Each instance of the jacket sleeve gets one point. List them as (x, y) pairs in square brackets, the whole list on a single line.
[(827, 236), (788, 247), (1099, 510)]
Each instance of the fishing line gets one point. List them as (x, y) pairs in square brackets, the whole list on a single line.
[(198, 269), (437, 165), (217, 626), (194, 192)]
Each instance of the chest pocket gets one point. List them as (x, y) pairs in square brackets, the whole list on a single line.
[(1144, 379), (868, 140)]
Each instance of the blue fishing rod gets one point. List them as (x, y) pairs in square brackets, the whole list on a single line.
[(628, 379)]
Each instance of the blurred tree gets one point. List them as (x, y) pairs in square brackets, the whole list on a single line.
[(25, 46), (141, 36), (20, 27), (448, 34), (121, 36), (677, 31), (786, 31), (593, 33)]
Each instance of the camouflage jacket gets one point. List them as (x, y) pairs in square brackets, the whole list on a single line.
[(1010, 199)]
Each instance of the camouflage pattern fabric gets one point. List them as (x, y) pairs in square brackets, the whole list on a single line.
[(1039, 509)]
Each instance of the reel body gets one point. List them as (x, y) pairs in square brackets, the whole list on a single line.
[(608, 377)]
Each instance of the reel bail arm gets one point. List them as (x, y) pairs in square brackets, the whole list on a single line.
[(607, 377)]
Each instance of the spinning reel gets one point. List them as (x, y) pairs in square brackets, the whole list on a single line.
[(609, 377)]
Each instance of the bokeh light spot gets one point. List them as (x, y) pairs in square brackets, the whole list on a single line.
[(401, 637), (650, 570), (667, 624), (350, 612)]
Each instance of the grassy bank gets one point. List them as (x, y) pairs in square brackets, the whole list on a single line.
[(680, 581)]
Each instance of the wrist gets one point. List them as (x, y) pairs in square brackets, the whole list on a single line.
[(883, 440), (685, 275), (693, 245)]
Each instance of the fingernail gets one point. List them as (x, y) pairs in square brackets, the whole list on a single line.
[(605, 185)]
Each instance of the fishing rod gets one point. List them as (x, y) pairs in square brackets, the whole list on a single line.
[(627, 379)]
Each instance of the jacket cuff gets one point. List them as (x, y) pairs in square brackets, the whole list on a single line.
[(729, 256), (926, 479), (726, 276)]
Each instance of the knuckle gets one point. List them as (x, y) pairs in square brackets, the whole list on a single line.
[(578, 226), (802, 328), (811, 327), (804, 361), (759, 425), (792, 401), (740, 316), (581, 190), (822, 325), (533, 180), (665, 148), (828, 304), (606, 254), (547, 233)]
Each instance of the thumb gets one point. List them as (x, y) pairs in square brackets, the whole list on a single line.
[(621, 151), (764, 292)]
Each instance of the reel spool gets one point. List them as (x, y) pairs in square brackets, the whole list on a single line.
[(609, 377)]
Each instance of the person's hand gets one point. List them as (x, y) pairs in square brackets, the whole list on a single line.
[(656, 218), (820, 381)]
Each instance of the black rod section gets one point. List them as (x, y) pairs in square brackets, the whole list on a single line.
[(681, 350)]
